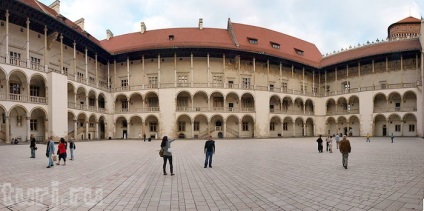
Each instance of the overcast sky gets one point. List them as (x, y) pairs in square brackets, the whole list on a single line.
[(329, 24)]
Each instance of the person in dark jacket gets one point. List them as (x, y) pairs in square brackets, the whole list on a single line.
[(33, 146), (72, 147), (319, 140), (167, 154), (209, 151), (345, 150)]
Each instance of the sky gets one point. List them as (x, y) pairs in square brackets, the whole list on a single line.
[(329, 24)]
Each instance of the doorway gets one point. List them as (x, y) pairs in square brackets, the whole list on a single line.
[(384, 130), (124, 134)]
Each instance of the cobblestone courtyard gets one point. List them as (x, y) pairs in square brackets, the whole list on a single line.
[(249, 174)]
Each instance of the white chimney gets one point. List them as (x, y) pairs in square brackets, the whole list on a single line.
[(109, 34), (200, 23), (56, 6), (143, 27), (80, 23)]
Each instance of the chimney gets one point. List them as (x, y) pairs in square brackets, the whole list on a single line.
[(200, 23), (143, 27), (80, 23), (109, 34), (56, 6)]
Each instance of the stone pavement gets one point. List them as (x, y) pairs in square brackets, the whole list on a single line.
[(248, 174)]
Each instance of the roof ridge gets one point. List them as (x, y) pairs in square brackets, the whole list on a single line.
[(232, 33), (42, 8)]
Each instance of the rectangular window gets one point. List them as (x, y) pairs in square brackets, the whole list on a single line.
[(15, 88), (153, 126), (181, 126), (253, 40), (196, 126), (182, 102), (35, 63), (246, 83), (153, 81), (271, 87), (65, 70), (124, 83), (15, 58), (397, 128), (153, 102), (91, 80), (272, 126), (411, 128), (285, 126), (182, 80), (284, 86), (91, 125), (33, 124), (124, 104), (275, 45), (245, 126), (34, 91), (217, 80), (218, 102)]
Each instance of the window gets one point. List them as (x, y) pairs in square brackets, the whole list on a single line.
[(182, 80), (15, 58), (15, 88), (124, 83), (411, 128), (284, 86), (153, 126), (217, 80), (91, 124), (181, 126), (253, 40), (19, 121), (272, 126), (35, 63), (285, 126), (65, 70), (218, 102), (245, 126), (91, 80), (298, 52), (124, 104), (91, 101), (230, 84), (34, 91), (246, 83), (275, 45), (171, 37), (196, 126), (33, 124), (153, 102), (271, 87), (153, 81), (397, 128), (328, 89), (182, 102)]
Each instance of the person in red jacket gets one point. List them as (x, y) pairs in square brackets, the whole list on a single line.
[(62, 151)]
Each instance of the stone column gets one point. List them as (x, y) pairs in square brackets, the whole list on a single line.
[(28, 127), (7, 41), (7, 129), (28, 60), (75, 129), (97, 130), (86, 129)]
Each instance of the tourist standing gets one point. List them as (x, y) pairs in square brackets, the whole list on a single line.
[(392, 137), (72, 147), (319, 140), (327, 140), (167, 154), (33, 146), (330, 144), (62, 151), (144, 137), (345, 149), (209, 151), (368, 137), (50, 152), (337, 140)]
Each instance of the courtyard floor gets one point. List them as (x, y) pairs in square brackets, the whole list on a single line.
[(247, 174)]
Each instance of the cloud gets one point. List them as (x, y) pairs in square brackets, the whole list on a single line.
[(329, 24)]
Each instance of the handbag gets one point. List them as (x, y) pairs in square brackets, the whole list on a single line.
[(161, 152), (54, 157)]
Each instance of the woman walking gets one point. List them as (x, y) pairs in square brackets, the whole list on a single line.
[(62, 151), (167, 154)]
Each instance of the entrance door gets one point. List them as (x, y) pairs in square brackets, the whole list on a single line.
[(384, 130), (124, 134)]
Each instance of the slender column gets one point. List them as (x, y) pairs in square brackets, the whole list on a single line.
[(46, 68), (28, 127), (108, 75), (282, 128), (254, 72), (325, 81), (192, 130), (387, 64), (373, 66), (115, 85), (61, 53), (401, 69), (209, 70), (294, 129), (175, 69), (281, 77), (7, 43), (97, 77), (128, 72), (304, 129), (223, 69), (97, 130), (143, 72), (313, 82), (191, 69), (347, 71), (128, 130), (7, 129), (86, 104), (86, 65), (240, 127), (75, 98), (303, 81), (267, 75), (75, 129), (359, 69), (159, 81), (335, 70), (401, 128), (28, 64), (75, 60), (96, 103), (86, 130), (224, 128)]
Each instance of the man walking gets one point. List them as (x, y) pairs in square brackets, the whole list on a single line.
[(337, 140), (33, 146), (345, 150), (392, 137), (209, 151)]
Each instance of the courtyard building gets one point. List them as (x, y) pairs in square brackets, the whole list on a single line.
[(239, 82)]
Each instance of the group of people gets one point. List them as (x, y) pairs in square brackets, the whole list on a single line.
[(343, 146), (61, 152), (165, 145)]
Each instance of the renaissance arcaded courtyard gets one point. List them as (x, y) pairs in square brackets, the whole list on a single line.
[(259, 174)]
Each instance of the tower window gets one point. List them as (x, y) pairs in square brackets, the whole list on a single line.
[(253, 40), (171, 37)]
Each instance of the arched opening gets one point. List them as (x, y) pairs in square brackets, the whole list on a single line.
[(275, 127)]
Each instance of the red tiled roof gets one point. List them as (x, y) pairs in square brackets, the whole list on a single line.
[(311, 55), (371, 50), (409, 19), (156, 39)]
